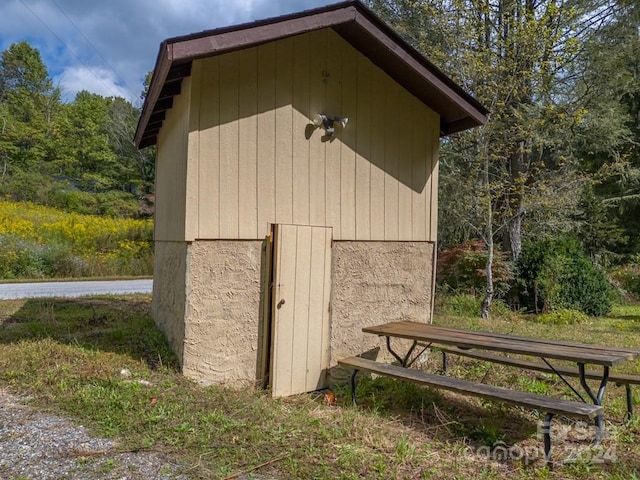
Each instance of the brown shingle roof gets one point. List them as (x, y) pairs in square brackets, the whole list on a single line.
[(353, 21)]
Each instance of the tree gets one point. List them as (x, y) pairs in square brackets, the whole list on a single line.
[(513, 55), (599, 232), (88, 157), (77, 155), (138, 167), (29, 105), (608, 138)]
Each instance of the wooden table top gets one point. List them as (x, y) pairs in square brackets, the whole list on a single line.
[(559, 350)]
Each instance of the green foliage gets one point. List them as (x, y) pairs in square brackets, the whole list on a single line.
[(465, 305), (563, 316), (598, 231), (459, 305), (608, 136), (112, 203), (628, 278), (556, 273), (41, 242), (559, 119), (462, 268), (77, 155)]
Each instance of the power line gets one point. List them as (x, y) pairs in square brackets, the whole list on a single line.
[(95, 49), (89, 69)]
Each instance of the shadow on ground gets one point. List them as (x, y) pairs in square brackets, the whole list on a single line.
[(122, 325), (444, 416)]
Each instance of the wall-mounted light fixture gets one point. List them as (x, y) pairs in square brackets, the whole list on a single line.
[(328, 123)]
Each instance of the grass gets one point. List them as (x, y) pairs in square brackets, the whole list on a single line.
[(101, 361)]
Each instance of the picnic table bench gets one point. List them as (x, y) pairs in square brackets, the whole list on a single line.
[(626, 380), (425, 335)]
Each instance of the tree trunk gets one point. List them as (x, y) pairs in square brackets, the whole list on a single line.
[(514, 202), (485, 309), (514, 234)]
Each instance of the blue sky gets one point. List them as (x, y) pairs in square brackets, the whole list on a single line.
[(107, 46)]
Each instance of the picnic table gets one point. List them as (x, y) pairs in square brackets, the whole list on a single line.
[(424, 336), (582, 354)]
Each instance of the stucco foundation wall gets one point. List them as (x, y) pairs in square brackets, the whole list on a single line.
[(376, 282), (168, 302), (223, 312)]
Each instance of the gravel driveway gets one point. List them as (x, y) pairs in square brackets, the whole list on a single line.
[(36, 445)]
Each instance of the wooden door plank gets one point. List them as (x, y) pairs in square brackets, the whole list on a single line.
[(266, 297), (326, 312), (318, 340), (301, 311), (283, 305)]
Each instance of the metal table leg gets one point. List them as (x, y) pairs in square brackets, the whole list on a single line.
[(546, 431), (597, 399), (404, 361), (353, 387)]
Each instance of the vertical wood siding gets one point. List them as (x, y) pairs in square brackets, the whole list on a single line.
[(171, 170), (254, 163)]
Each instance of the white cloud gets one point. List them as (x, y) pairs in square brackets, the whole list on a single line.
[(97, 80), (123, 35)]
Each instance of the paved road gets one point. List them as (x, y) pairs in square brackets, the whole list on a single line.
[(73, 289)]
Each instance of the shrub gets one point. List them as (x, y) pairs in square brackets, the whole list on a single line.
[(465, 305), (563, 316), (462, 268), (628, 278), (555, 274), (75, 201), (458, 305), (20, 258)]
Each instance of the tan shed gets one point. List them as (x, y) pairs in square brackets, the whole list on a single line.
[(281, 227)]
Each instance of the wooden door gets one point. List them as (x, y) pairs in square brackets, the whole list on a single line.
[(300, 318)]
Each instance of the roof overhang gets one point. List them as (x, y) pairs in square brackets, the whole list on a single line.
[(353, 21)]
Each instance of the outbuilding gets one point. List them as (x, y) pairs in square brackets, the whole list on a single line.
[(296, 191)]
